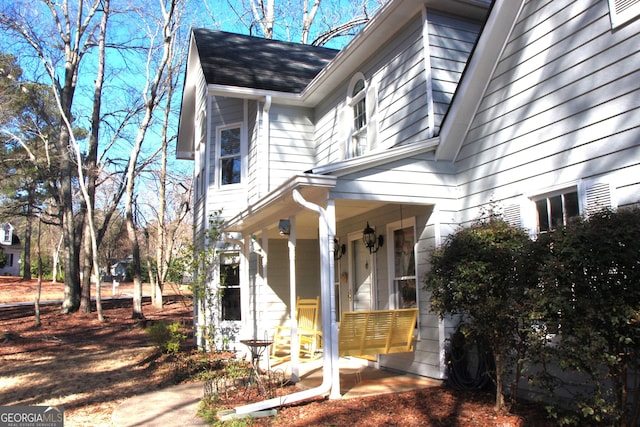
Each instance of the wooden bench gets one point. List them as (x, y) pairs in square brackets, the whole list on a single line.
[(366, 333)]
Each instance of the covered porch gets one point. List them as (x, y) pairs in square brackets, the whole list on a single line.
[(305, 239)]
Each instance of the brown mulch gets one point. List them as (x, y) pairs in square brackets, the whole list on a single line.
[(90, 367)]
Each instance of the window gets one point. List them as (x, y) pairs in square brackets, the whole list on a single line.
[(358, 103), (556, 210), (230, 158), (623, 11), (6, 234), (404, 267), (230, 283)]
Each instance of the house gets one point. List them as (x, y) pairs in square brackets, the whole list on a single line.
[(11, 248), (434, 112)]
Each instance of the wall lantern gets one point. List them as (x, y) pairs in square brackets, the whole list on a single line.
[(338, 249), (284, 227), (371, 241)]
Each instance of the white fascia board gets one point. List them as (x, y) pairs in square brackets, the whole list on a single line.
[(476, 77), (377, 158), (251, 93), (278, 202), (185, 144)]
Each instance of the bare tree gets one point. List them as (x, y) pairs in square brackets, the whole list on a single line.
[(152, 96), (65, 41), (308, 21)]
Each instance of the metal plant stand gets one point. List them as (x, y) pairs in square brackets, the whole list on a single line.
[(257, 349)]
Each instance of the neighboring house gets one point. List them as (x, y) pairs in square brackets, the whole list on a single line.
[(436, 111), (10, 245)]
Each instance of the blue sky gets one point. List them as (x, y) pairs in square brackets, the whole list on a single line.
[(125, 74)]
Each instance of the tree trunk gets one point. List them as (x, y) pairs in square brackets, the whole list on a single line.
[(56, 261), (135, 249), (499, 389), (26, 258), (71, 259), (39, 287), (85, 297)]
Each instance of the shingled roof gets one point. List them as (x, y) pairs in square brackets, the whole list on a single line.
[(252, 62)]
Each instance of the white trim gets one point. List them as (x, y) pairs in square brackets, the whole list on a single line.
[(377, 158), (218, 170), (426, 58)]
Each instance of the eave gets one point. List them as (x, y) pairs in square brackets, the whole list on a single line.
[(280, 204), (378, 158)]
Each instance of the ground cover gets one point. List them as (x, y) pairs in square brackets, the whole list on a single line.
[(90, 367)]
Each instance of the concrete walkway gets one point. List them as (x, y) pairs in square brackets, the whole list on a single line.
[(177, 405), (172, 406)]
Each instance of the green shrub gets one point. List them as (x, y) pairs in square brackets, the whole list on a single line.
[(168, 338)]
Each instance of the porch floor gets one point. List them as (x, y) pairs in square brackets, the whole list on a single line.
[(356, 378)]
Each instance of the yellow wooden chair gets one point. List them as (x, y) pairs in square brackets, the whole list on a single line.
[(309, 335)]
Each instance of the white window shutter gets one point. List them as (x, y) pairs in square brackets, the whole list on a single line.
[(372, 116), (512, 215), (623, 11), (597, 196), (345, 122)]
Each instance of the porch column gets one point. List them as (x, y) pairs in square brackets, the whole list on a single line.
[(328, 290), (264, 283), (245, 282), (293, 295)]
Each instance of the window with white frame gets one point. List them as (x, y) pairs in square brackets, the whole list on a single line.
[(556, 209), (230, 286), (229, 155), (6, 234), (403, 266), (358, 104)]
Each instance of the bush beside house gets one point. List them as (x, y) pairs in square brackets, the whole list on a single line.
[(567, 303)]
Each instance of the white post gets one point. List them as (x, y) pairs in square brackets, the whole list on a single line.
[(293, 295)]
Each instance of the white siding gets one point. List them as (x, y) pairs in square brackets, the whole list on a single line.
[(561, 107), (270, 305), (290, 150), (451, 41)]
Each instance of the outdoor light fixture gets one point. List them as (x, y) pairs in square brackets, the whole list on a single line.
[(338, 249), (371, 241), (284, 227)]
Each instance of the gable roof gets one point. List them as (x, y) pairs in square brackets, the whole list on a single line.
[(252, 62)]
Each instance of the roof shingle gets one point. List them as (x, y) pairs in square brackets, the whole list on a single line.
[(252, 62)]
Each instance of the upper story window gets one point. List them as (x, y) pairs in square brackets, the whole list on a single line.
[(6, 234), (357, 101), (556, 210), (623, 11), (229, 155)]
